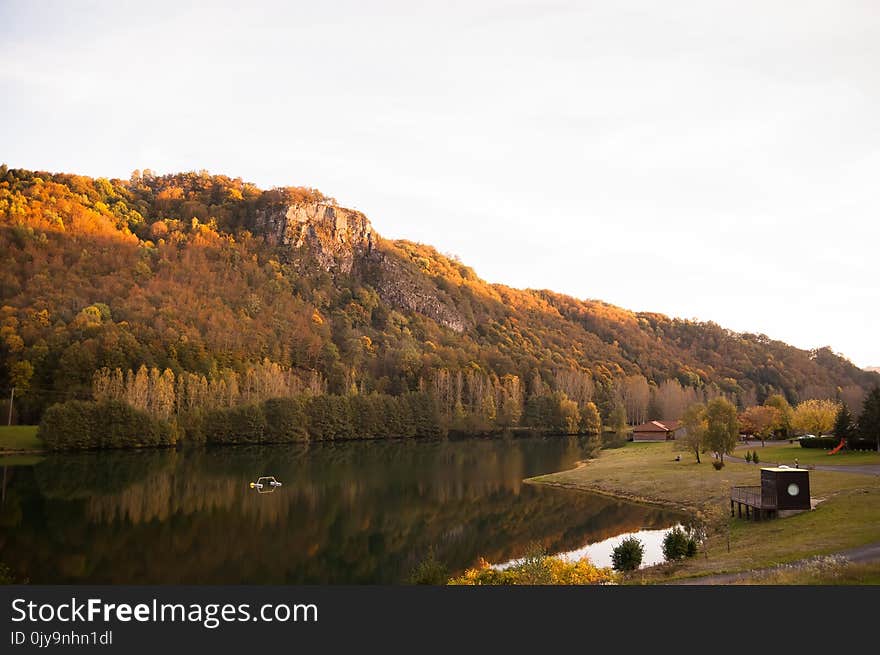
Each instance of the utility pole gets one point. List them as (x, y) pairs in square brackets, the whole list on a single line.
[(11, 400)]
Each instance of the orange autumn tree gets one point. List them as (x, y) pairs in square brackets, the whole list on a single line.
[(761, 421)]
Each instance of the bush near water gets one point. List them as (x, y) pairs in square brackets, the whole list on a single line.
[(113, 424), (542, 570), (78, 424)]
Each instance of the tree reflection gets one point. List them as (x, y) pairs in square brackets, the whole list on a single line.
[(347, 513)]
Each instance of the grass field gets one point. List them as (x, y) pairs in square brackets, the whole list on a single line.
[(813, 573), (19, 437), (807, 456), (848, 516)]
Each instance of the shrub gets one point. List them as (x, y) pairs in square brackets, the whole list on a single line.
[(755, 457), (627, 555), (235, 425), (675, 544), (718, 464), (78, 425), (748, 456), (532, 568), (191, 425), (68, 426), (329, 417), (861, 443), (553, 571), (430, 571), (827, 442), (286, 420)]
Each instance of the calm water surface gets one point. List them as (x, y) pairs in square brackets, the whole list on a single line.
[(352, 512)]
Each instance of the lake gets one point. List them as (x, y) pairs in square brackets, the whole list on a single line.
[(358, 512)]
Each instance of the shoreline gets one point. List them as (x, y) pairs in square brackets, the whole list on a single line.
[(618, 495), (847, 520)]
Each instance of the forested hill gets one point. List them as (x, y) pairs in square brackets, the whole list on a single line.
[(214, 277)]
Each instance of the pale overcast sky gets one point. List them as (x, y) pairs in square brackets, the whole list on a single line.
[(716, 160)]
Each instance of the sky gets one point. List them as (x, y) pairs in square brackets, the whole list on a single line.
[(704, 159)]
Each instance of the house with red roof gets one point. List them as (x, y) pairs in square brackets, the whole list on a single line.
[(656, 431)]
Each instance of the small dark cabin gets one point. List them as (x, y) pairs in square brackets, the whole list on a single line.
[(782, 489), (785, 488)]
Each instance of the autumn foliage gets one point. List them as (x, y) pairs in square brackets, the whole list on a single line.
[(542, 570), (168, 290)]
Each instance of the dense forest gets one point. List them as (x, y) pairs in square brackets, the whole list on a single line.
[(186, 294)]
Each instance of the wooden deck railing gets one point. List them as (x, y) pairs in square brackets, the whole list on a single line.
[(751, 496)]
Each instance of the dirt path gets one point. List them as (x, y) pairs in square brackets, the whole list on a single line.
[(861, 554)]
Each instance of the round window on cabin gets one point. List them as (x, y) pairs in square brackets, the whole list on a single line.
[(793, 489)]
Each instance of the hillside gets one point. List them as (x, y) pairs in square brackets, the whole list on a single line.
[(213, 278)]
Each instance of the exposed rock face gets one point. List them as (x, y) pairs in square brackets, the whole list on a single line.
[(334, 236), (342, 241), (399, 287)]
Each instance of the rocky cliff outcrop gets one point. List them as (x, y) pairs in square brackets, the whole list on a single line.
[(343, 241), (333, 236)]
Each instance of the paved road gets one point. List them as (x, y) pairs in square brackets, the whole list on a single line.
[(860, 469), (869, 553)]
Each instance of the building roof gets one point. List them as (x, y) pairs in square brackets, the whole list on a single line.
[(657, 426)]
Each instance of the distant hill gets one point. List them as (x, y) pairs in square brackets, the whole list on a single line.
[(207, 274)]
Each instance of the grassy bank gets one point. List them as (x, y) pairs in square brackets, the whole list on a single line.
[(850, 573), (809, 456), (19, 437), (848, 516)]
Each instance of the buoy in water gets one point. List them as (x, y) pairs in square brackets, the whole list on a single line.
[(263, 481)]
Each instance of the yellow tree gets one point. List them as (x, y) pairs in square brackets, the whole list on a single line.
[(785, 412), (722, 427), (815, 416), (694, 423)]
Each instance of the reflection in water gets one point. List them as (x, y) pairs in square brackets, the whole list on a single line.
[(600, 552), (353, 512)]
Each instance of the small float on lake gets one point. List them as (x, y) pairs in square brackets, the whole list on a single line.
[(265, 484)]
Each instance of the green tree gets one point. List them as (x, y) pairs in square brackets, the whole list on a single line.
[(694, 423), (676, 545), (869, 419), (617, 423), (844, 423), (722, 427), (20, 374), (783, 427), (286, 420), (627, 555)]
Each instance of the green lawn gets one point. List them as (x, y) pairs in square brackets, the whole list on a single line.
[(848, 516), (786, 455), (19, 437)]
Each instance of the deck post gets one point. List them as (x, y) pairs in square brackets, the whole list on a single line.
[(731, 508), (739, 510)]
